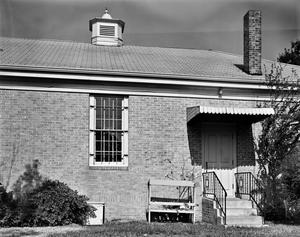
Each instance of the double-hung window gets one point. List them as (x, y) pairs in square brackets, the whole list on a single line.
[(108, 131)]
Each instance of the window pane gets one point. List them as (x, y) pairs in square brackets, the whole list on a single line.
[(119, 124), (119, 102), (106, 113), (98, 112), (98, 124), (119, 157), (105, 102), (98, 146), (99, 157), (119, 114), (118, 134), (119, 146)]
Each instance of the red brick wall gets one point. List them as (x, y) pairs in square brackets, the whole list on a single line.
[(245, 146), (53, 127), (209, 212)]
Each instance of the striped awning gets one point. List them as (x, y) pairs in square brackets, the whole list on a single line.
[(260, 112)]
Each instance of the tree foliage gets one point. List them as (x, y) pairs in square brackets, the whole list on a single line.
[(278, 143), (28, 181), (183, 170), (291, 55)]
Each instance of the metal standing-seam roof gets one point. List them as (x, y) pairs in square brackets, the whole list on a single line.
[(151, 61), (127, 59)]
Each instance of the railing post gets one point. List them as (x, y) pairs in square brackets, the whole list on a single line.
[(225, 208), (249, 185), (203, 185), (214, 185), (237, 188)]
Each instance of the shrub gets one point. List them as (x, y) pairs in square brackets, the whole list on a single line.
[(3, 202), (56, 204), (8, 209), (36, 201)]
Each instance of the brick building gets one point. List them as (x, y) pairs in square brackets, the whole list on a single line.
[(106, 117)]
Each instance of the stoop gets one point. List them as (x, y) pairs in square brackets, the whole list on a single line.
[(239, 212), (242, 212)]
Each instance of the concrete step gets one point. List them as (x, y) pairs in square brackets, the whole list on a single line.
[(251, 221), (238, 203), (241, 212)]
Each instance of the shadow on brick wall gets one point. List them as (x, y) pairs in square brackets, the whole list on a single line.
[(245, 145), (194, 139)]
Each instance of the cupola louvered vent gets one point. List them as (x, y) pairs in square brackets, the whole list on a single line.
[(107, 30)]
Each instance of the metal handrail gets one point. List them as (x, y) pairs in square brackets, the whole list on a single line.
[(213, 186), (248, 184)]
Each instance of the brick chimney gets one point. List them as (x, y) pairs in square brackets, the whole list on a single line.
[(252, 42)]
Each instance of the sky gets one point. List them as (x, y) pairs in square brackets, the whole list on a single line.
[(197, 24)]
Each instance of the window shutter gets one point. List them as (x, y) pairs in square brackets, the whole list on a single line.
[(92, 142), (92, 113), (125, 130), (125, 114)]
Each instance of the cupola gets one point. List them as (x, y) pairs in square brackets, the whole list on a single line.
[(106, 30)]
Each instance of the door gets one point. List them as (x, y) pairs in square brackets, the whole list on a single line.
[(219, 153)]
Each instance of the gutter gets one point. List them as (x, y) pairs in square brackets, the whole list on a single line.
[(91, 74)]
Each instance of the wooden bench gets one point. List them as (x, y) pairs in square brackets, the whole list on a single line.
[(179, 206)]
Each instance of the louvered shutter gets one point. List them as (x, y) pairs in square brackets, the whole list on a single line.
[(92, 142), (125, 131)]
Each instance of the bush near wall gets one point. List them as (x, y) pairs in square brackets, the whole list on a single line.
[(8, 208), (56, 204), (36, 201)]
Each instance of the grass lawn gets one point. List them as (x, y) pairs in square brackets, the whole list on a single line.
[(132, 229)]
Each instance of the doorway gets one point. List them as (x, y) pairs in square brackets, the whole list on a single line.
[(219, 152)]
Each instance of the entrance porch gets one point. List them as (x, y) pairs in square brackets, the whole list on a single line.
[(224, 141)]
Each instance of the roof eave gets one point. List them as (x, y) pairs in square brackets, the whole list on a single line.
[(255, 80)]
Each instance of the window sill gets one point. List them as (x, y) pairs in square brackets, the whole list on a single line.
[(108, 167)]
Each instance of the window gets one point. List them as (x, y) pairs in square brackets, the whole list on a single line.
[(108, 131)]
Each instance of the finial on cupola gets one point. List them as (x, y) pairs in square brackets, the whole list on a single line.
[(106, 15), (106, 30)]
